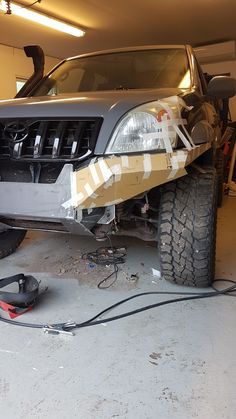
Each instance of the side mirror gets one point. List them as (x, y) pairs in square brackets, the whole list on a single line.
[(221, 87)]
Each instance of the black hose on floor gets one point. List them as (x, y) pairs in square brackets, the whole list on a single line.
[(95, 320)]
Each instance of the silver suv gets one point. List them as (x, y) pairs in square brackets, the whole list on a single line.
[(118, 142)]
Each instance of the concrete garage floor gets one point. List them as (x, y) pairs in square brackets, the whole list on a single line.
[(176, 362)]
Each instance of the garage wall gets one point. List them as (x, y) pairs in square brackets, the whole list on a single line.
[(220, 68), (14, 64)]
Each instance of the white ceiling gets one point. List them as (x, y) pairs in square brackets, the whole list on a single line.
[(118, 23)]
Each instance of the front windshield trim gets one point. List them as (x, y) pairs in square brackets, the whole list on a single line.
[(128, 49), (111, 78)]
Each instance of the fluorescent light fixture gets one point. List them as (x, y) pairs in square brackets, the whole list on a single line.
[(42, 19)]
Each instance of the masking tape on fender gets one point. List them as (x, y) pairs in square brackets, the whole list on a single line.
[(185, 138), (165, 135)]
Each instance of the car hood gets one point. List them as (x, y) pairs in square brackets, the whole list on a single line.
[(84, 104), (110, 105)]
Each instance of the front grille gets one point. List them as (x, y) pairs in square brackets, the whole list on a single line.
[(49, 140)]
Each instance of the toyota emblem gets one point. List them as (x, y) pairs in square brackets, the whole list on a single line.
[(16, 131)]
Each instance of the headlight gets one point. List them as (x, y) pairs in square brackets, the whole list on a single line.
[(145, 128)]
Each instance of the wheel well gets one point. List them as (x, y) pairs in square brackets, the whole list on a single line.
[(208, 158)]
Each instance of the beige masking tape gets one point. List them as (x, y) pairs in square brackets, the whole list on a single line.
[(94, 173), (173, 173), (116, 170), (165, 134), (125, 161), (106, 172), (89, 190), (147, 165), (109, 183)]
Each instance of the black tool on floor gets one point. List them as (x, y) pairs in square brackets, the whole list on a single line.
[(17, 303)]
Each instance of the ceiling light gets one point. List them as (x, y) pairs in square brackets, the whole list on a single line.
[(41, 19)]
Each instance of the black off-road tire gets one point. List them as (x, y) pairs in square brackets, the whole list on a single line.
[(9, 241), (220, 168), (187, 229)]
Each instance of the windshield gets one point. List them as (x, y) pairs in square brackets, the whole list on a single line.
[(149, 69)]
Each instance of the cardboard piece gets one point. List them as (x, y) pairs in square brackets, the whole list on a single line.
[(114, 179)]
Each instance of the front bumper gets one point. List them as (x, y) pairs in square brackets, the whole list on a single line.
[(40, 206), (80, 199)]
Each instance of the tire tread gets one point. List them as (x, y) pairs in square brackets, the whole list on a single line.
[(187, 229), (10, 240)]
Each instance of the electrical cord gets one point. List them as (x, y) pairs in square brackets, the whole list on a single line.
[(231, 281), (189, 296), (95, 319), (26, 6), (107, 256)]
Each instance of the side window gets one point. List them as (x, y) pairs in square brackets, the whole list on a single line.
[(20, 83), (67, 82)]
